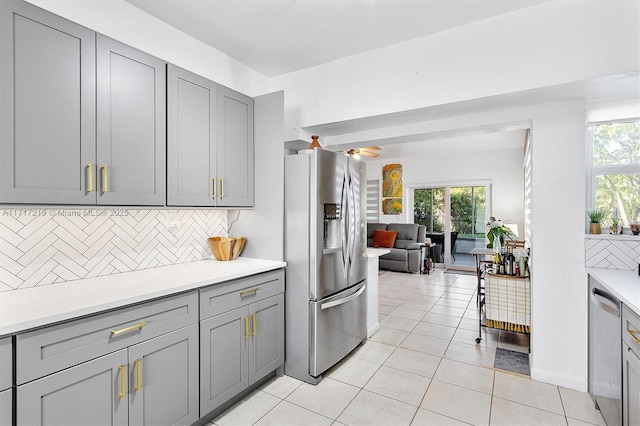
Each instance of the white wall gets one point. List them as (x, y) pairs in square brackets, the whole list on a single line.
[(550, 44), (126, 23), (429, 166), (559, 280)]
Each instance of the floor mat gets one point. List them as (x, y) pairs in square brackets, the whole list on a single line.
[(513, 361)]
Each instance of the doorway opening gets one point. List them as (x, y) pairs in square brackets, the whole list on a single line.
[(455, 216)]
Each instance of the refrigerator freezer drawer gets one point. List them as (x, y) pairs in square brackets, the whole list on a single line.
[(338, 324)]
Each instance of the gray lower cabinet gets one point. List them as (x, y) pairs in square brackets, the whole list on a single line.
[(152, 383), (630, 386), (131, 125), (630, 367), (89, 393), (163, 379), (135, 365), (6, 407), (244, 339), (47, 107), (209, 143), (6, 381)]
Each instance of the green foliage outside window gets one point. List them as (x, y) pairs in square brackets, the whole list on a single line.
[(616, 170), (467, 210)]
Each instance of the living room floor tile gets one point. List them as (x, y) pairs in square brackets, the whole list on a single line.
[(578, 405), (389, 336), (287, 413), (399, 323), (429, 418), (399, 385), (328, 398), (369, 408), (528, 392), (281, 386), (413, 362), (457, 402), (435, 330), (407, 313), (374, 352), (465, 375), (249, 410), (427, 344), (510, 413), (354, 371), (471, 354)]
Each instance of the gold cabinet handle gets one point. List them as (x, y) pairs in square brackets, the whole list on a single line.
[(246, 327), (128, 329), (90, 177), (105, 178), (248, 292), (214, 188), (633, 335), (221, 187), (123, 383), (254, 329), (138, 375)]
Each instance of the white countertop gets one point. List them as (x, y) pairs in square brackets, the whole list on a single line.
[(33, 307), (376, 252), (624, 284)]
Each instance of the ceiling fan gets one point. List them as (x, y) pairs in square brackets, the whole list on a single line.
[(366, 151)]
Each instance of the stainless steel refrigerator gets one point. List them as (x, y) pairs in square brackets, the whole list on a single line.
[(325, 244)]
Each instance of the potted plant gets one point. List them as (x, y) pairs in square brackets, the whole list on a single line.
[(595, 217), (615, 227), (498, 230)]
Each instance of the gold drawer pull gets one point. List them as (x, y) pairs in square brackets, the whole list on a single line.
[(105, 178), (254, 329), (128, 329), (248, 292), (90, 175), (138, 375), (123, 383), (214, 188), (221, 187), (246, 327), (633, 335)]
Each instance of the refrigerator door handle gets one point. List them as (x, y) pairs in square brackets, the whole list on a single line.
[(343, 300), (352, 222), (344, 219)]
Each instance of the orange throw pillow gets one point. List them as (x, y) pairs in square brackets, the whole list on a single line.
[(384, 239)]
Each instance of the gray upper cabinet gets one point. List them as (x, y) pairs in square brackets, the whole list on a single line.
[(131, 125), (209, 143), (191, 138), (235, 149), (47, 107)]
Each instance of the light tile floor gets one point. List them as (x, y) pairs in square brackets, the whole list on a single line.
[(422, 368)]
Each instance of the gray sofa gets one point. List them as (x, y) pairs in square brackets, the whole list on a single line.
[(406, 255)]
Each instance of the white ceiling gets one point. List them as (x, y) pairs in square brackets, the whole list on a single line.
[(275, 37)]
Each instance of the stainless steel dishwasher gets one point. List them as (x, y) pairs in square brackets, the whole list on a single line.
[(605, 356)]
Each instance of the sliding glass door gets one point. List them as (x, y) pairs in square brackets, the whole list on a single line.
[(455, 217)]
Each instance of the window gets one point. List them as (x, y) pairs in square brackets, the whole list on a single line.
[(615, 170), (373, 201)]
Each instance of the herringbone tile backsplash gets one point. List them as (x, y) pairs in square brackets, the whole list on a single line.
[(44, 246), (612, 254)]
